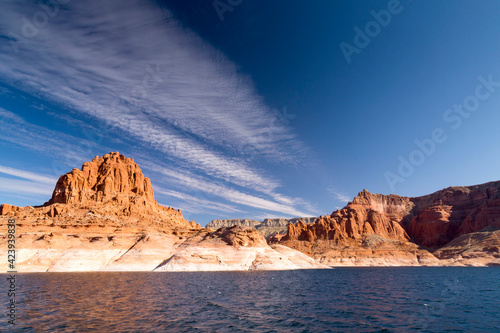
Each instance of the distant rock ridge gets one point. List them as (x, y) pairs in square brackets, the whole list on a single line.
[(268, 227), (216, 224), (282, 222)]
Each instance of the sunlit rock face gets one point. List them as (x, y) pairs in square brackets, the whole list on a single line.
[(104, 217), (406, 230), (235, 248), (110, 178), (455, 211)]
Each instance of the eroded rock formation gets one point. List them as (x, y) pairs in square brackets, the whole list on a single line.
[(480, 248), (442, 216), (419, 225), (235, 248), (104, 217), (367, 214)]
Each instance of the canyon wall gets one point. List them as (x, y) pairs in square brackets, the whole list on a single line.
[(399, 223)]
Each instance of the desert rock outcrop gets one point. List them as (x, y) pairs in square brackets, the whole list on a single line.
[(104, 217), (110, 178), (418, 226), (234, 248)]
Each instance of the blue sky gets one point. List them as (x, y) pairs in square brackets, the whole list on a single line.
[(251, 109)]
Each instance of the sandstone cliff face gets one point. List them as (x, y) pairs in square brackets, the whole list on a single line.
[(110, 178), (110, 190), (104, 217), (455, 211), (403, 223), (367, 214), (431, 220), (368, 231)]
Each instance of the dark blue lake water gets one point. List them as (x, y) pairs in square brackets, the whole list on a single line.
[(338, 300)]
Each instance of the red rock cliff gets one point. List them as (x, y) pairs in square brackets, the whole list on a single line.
[(112, 177), (431, 220), (109, 190), (367, 214), (455, 211)]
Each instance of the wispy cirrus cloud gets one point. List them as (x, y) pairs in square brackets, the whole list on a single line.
[(23, 186), (31, 183), (338, 195), (28, 175), (136, 69), (197, 204), (215, 189)]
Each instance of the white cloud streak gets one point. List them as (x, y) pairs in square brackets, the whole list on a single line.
[(34, 185), (201, 185), (28, 175), (136, 69), (196, 204), (17, 186), (342, 197)]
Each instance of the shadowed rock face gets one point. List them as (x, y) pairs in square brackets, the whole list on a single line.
[(480, 248), (455, 211)]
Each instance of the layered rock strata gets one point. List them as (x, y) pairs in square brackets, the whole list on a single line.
[(104, 217), (408, 230), (268, 227)]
